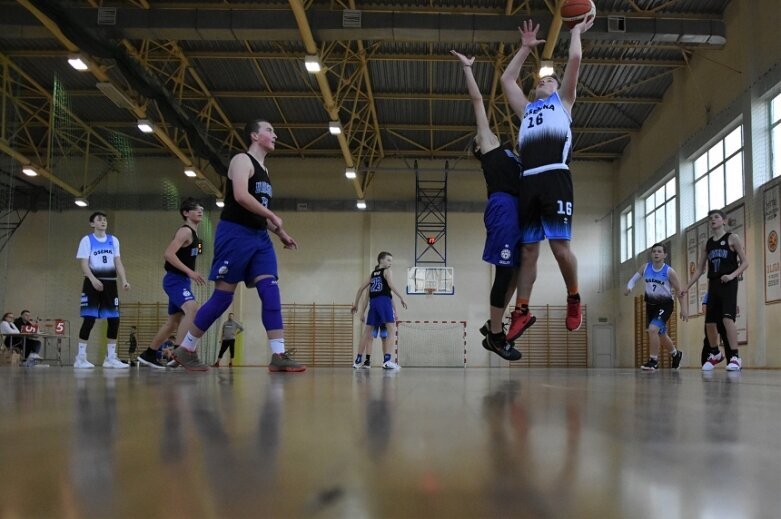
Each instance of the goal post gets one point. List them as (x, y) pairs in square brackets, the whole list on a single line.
[(431, 344)]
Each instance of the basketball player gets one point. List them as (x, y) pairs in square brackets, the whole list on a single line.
[(180, 256), (98, 256), (726, 260), (502, 171), (546, 201), (728, 351), (660, 281), (243, 251), (380, 285)]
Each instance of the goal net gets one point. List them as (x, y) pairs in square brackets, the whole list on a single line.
[(440, 344)]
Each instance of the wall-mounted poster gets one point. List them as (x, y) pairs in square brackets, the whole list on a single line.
[(736, 223), (772, 251), (692, 255)]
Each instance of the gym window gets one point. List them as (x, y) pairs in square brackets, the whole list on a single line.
[(718, 174), (660, 213), (627, 234), (775, 136)]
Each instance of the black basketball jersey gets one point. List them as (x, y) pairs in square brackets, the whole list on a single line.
[(259, 186), (378, 286), (502, 171), (721, 259), (187, 253)]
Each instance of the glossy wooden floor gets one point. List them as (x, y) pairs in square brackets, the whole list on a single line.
[(335, 443)]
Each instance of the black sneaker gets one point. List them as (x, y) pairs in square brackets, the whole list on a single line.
[(148, 358), (651, 365), (486, 329), (677, 359), (498, 344)]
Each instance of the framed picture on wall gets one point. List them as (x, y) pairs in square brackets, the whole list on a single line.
[(772, 231)]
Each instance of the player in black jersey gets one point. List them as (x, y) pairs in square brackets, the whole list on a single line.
[(725, 260), (180, 256), (502, 172)]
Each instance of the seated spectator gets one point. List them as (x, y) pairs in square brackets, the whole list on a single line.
[(25, 324), (8, 329)]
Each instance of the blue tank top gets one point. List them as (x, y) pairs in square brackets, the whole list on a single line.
[(545, 136), (657, 284)]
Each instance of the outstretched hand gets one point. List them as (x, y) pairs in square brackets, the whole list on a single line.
[(583, 26), (529, 34), (466, 62)]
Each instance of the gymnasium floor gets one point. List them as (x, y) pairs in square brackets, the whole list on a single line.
[(336, 443)]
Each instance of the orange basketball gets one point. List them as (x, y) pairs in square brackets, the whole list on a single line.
[(574, 11)]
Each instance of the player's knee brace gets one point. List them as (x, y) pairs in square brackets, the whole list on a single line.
[(268, 290), (213, 309), (86, 327), (504, 275), (113, 328)]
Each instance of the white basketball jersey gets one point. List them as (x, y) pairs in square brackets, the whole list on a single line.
[(545, 137), (657, 284)]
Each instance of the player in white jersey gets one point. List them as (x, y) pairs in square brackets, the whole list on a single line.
[(660, 282), (98, 256), (546, 200)]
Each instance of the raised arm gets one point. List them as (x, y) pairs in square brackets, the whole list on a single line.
[(485, 137), (512, 91), (569, 82)]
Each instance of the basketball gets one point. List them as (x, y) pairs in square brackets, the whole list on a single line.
[(574, 11)]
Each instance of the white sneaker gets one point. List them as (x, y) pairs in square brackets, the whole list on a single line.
[(735, 364), (390, 365), (172, 364), (357, 366), (81, 362), (113, 362)]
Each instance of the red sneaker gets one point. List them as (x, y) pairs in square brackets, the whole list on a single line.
[(519, 323), (574, 317)]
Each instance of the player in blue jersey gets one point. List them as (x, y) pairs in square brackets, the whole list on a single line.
[(180, 256), (545, 146), (661, 282), (100, 262), (243, 251), (502, 171), (381, 312)]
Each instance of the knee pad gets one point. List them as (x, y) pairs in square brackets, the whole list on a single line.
[(86, 327), (113, 328), (501, 283), (271, 302), (213, 309)]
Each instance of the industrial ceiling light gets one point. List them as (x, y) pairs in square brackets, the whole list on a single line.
[(145, 125), (546, 68), (335, 127), (361, 204), (350, 173), (312, 64), (220, 202), (190, 172), (29, 171), (81, 202), (78, 63)]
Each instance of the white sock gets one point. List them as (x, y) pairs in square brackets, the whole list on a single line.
[(654, 357), (277, 345), (675, 351), (82, 348), (112, 349), (189, 342)]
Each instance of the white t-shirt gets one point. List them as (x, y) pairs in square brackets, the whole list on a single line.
[(7, 328), (101, 258)]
